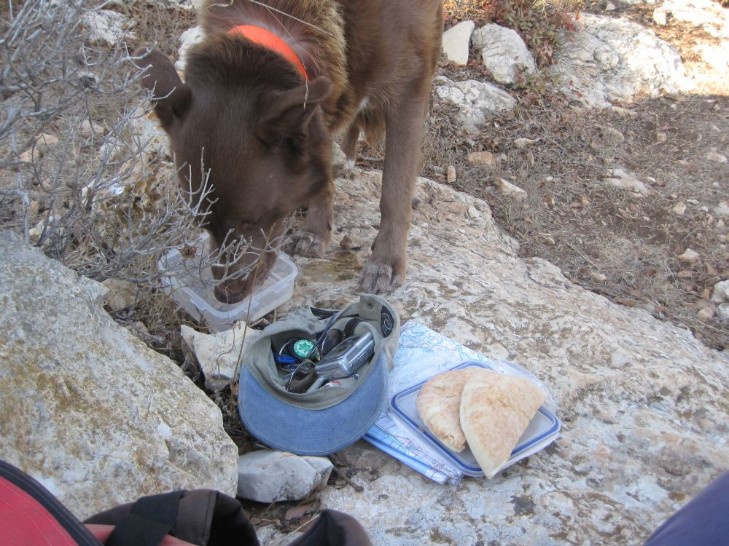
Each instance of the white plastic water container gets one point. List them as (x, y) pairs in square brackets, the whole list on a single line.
[(191, 285)]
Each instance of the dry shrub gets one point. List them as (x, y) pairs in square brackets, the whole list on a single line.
[(75, 175)]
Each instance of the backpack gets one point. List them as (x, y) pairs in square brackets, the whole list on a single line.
[(31, 515)]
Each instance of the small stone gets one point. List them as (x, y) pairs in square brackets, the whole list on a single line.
[(473, 213), (679, 208), (346, 243), (716, 157), (607, 137), (720, 293), (661, 137), (660, 17), (274, 476), (548, 239), (510, 190), (706, 314), (481, 159), (456, 42), (610, 7), (597, 276), (620, 179), (524, 142), (139, 329), (722, 210), (685, 274), (43, 144), (692, 201), (218, 353), (689, 256), (451, 174), (87, 129), (120, 294)]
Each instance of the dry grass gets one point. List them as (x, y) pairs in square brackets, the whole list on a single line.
[(623, 247)]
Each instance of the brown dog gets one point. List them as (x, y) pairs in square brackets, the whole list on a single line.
[(266, 92)]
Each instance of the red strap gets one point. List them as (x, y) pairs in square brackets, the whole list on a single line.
[(269, 40)]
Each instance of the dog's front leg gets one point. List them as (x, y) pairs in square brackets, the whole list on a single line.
[(313, 239), (404, 127)]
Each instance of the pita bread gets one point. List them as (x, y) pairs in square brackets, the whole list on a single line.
[(495, 411), (439, 406)]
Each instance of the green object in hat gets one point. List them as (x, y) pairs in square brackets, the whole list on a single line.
[(303, 348)]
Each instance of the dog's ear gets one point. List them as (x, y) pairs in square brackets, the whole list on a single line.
[(287, 114), (170, 96)]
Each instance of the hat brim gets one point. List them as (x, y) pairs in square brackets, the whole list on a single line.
[(285, 427)]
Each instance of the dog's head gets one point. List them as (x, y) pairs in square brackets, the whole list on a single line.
[(255, 135)]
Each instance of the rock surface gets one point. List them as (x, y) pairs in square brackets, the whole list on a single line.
[(609, 59), (85, 407), (643, 403)]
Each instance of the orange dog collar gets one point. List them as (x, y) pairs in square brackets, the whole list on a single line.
[(269, 40)]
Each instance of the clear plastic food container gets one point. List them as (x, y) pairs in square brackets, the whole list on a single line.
[(191, 284)]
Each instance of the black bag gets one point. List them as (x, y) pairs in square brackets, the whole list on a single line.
[(202, 516)]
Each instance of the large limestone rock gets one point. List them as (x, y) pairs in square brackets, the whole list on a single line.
[(643, 403), (476, 101), (706, 54), (503, 52), (106, 27), (85, 407), (609, 59)]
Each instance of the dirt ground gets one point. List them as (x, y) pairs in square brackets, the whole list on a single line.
[(622, 247)]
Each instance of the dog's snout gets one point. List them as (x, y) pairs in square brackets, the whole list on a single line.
[(225, 294)]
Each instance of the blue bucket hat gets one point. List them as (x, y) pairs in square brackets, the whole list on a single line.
[(339, 413)]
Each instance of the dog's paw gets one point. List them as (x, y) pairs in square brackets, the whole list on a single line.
[(305, 243), (378, 278)]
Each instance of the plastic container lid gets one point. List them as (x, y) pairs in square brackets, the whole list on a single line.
[(191, 286), (542, 430)]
